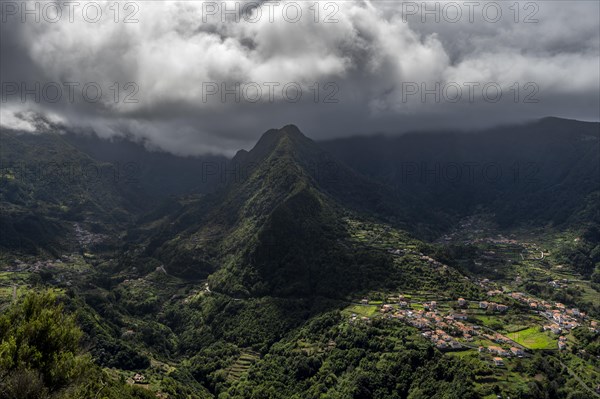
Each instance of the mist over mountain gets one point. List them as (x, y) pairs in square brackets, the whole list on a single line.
[(157, 173)]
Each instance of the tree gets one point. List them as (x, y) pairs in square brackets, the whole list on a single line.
[(37, 336)]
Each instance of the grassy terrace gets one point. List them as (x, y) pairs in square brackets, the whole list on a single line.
[(362, 310), (532, 338)]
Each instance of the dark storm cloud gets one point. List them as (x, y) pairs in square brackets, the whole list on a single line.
[(362, 67)]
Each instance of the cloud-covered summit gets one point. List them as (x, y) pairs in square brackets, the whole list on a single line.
[(193, 77)]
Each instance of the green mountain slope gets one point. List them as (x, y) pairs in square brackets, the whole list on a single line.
[(48, 185), (277, 227)]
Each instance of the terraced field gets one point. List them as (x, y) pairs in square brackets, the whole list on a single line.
[(242, 364)]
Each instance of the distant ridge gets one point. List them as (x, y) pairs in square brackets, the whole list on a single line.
[(548, 169)]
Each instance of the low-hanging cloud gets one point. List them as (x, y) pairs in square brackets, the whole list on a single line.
[(195, 77)]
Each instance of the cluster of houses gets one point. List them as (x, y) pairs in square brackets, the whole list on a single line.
[(496, 337), (497, 240), (562, 343), (86, 238), (428, 259), (493, 306), (501, 353), (559, 316), (60, 265), (20, 266), (441, 339), (442, 331), (433, 262), (561, 319), (37, 265)]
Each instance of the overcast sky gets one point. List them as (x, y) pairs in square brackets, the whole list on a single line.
[(170, 72)]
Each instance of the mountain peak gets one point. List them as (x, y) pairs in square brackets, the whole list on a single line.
[(272, 139), (291, 130), (274, 135)]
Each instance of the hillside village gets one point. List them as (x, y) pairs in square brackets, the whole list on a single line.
[(454, 325)]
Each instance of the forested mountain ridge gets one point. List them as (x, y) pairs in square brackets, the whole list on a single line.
[(48, 185), (539, 172), (277, 226)]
